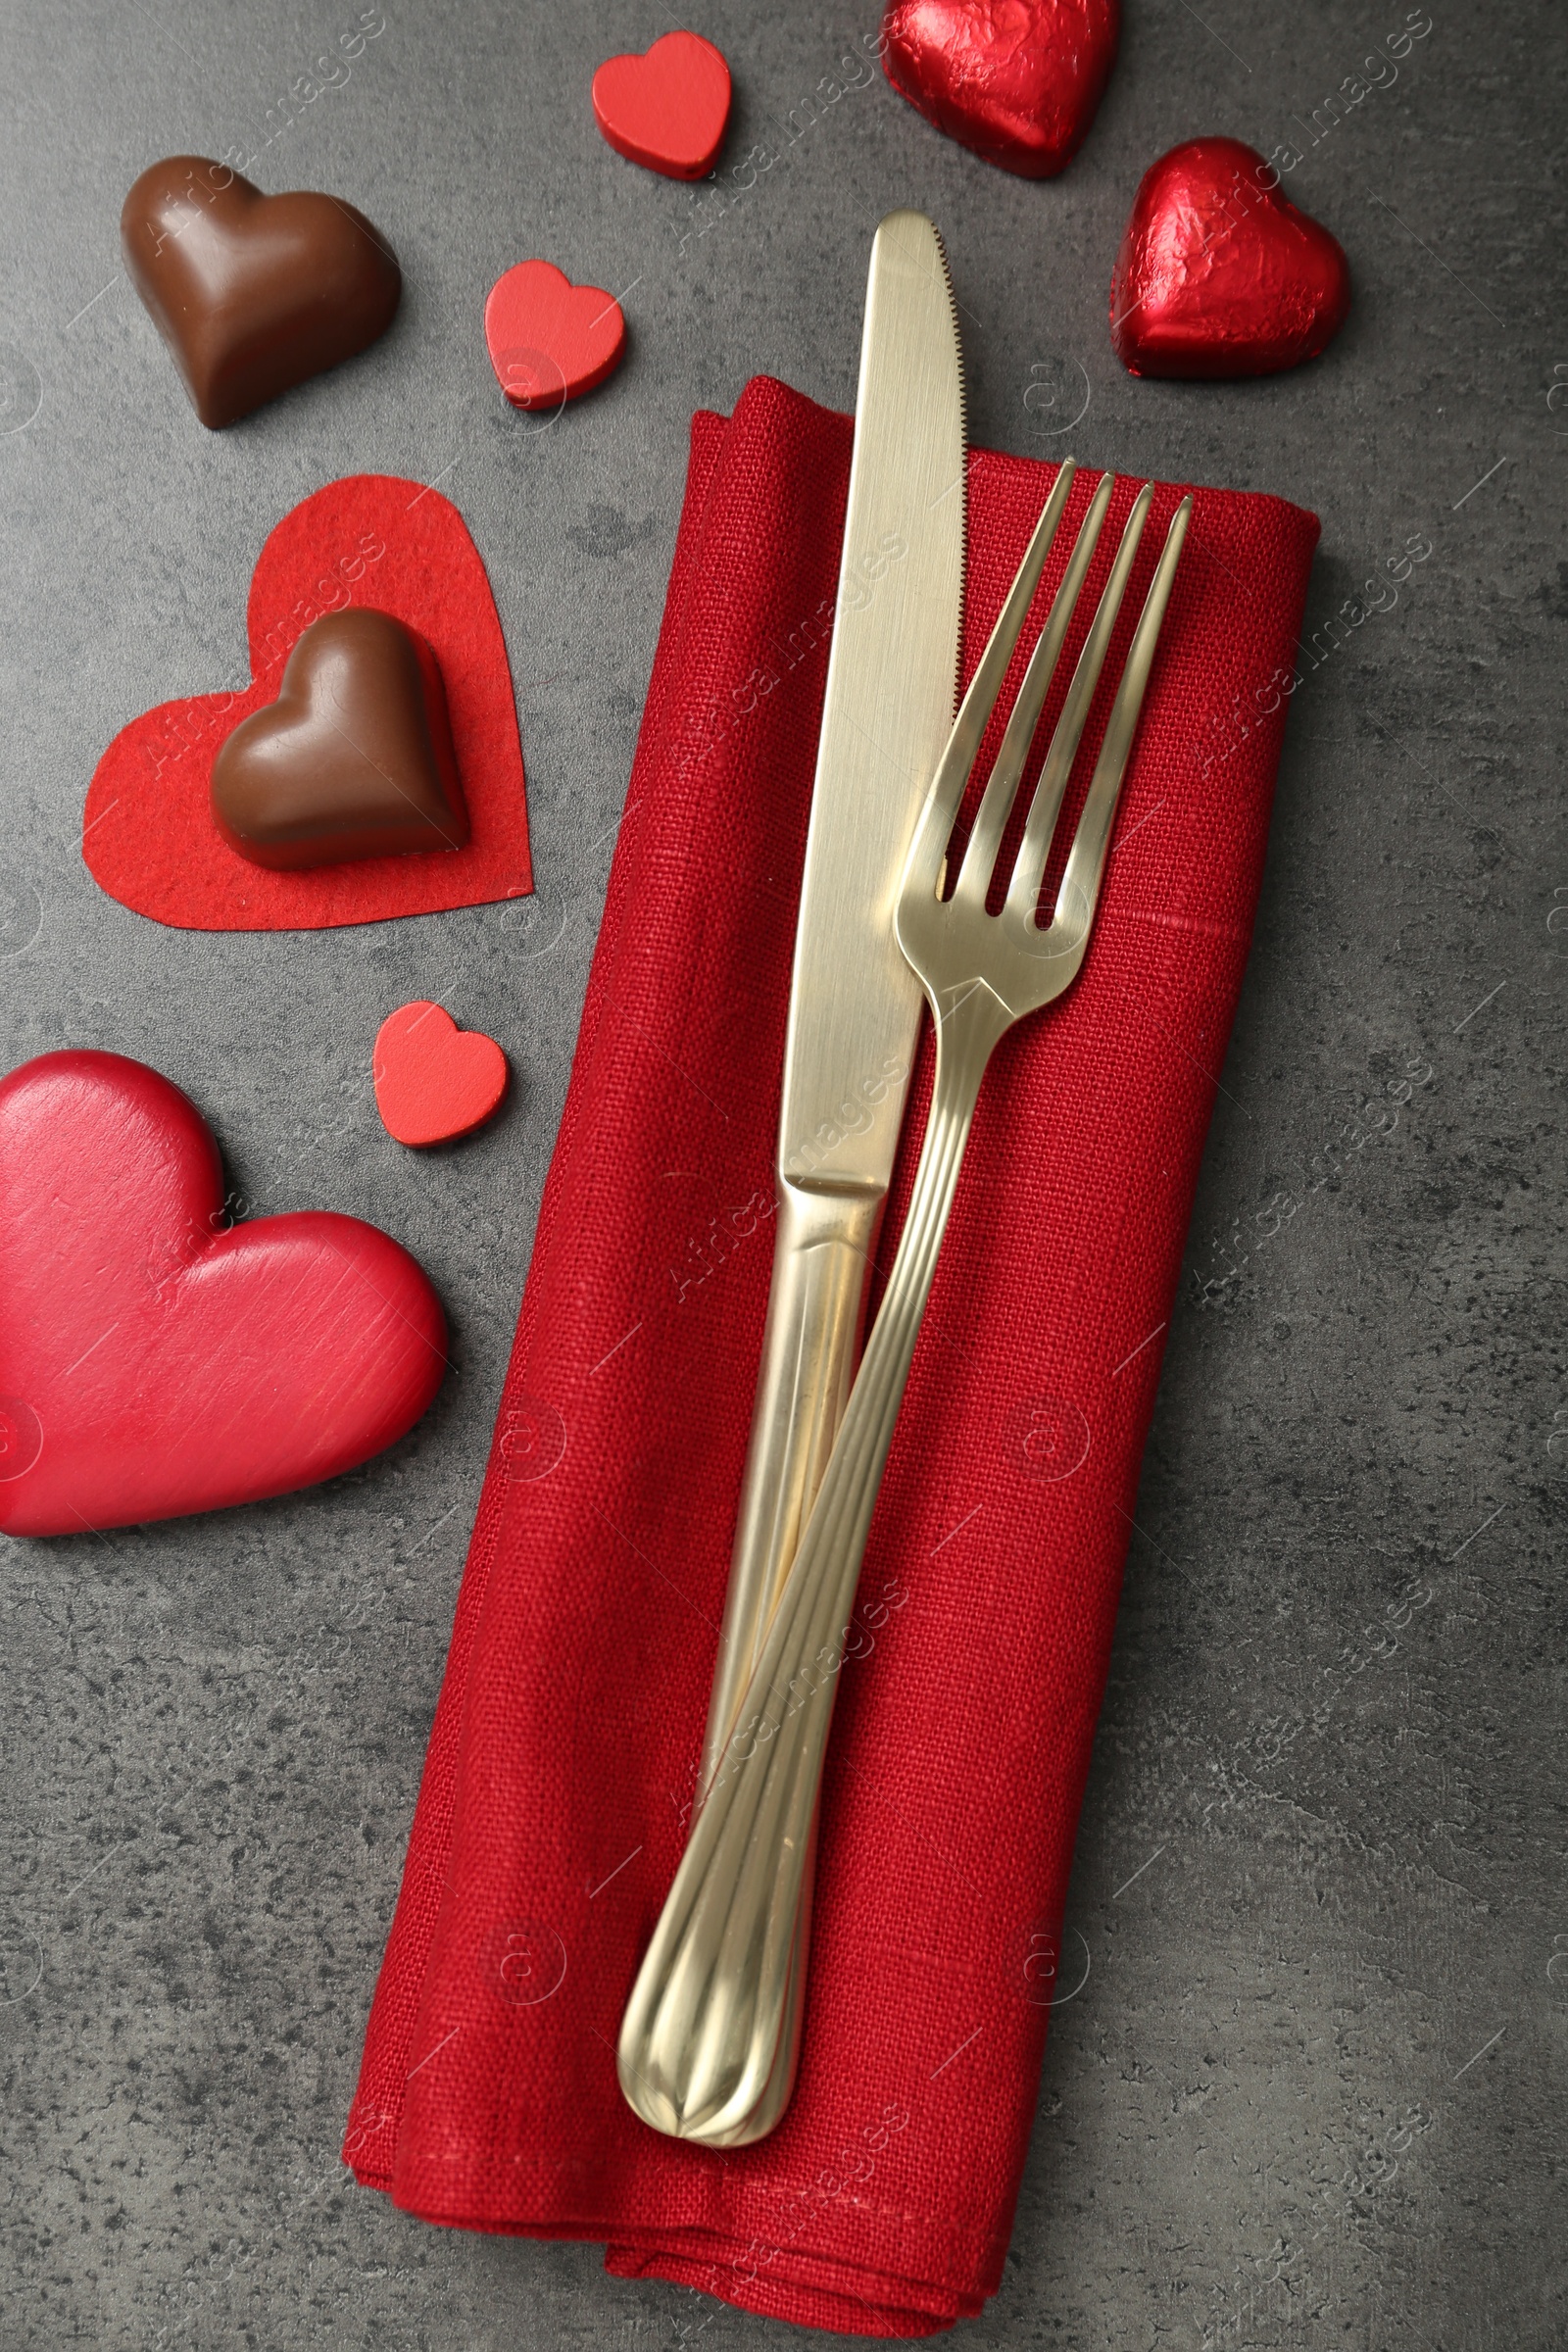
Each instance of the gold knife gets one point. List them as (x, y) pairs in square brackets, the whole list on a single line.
[(855, 1004)]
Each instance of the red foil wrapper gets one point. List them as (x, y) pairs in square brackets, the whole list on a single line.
[(1219, 273), (1017, 80)]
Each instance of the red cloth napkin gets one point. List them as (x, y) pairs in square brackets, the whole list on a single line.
[(566, 1746)]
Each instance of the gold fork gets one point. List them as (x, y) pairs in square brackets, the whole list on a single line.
[(701, 2032)]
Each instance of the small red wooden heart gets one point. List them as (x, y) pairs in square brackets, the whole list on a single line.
[(1219, 275), (548, 339), (154, 1362), (667, 108), (1017, 80), (369, 540), (434, 1080)]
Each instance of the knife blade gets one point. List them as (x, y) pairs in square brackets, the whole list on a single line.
[(854, 1004)]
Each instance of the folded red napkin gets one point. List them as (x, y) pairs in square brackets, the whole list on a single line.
[(566, 1746)]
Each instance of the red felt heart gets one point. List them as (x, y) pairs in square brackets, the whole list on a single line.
[(667, 108), (154, 1363), (1017, 80), (369, 540), (548, 339), (434, 1080), (1219, 273)]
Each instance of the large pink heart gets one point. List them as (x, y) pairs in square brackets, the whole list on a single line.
[(153, 1362)]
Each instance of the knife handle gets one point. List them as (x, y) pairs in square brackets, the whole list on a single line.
[(822, 1247)]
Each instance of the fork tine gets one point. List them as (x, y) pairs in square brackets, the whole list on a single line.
[(928, 850), (1023, 891), (1085, 863), (991, 818)]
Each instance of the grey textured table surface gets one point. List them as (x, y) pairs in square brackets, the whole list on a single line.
[(1309, 2092)]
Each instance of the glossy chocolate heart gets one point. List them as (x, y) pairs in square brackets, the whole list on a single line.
[(353, 760), (1219, 273), (1017, 80), (252, 293)]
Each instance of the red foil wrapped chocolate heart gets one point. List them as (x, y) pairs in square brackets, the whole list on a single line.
[(1017, 80), (1219, 273)]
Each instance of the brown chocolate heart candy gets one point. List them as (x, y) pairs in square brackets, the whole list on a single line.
[(253, 293), (353, 760)]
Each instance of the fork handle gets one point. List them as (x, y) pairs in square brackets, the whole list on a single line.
[(720, 1981)]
